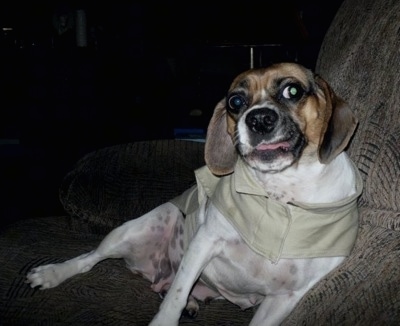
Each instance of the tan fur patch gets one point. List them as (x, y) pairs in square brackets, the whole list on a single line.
[(313, 118)]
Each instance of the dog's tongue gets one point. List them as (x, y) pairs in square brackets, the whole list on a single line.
[(265, 147)]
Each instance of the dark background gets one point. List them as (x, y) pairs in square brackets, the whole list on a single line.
[(149, 67)]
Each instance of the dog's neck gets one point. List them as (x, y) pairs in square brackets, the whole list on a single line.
[(311, 182)]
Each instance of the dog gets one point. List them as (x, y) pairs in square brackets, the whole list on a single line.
[(273, 211)]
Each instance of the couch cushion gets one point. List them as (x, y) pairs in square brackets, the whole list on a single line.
[(360, 58), (112, 185)]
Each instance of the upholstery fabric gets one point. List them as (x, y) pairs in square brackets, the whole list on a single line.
[(366, 73), (360, 57), (115, 184)]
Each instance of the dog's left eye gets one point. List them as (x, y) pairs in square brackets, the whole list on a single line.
[(292, 91), (235, 103)]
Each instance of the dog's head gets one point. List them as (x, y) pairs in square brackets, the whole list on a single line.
[(275, 116)]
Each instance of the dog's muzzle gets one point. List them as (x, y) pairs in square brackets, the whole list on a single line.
[(262, 121), (271, 138)]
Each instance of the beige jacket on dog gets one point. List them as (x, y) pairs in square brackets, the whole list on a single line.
[(273, 229)]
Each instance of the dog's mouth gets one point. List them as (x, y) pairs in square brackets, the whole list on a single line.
[(283, 146), (270, 152), (275, 150), (276, 154)]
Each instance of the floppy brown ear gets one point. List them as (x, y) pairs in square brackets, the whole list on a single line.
[(220, 153), (339, 127)]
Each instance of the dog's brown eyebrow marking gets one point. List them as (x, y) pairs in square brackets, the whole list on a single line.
[(286, 80), (249, 86), (244, 83)]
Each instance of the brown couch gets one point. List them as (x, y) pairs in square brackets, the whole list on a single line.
[(360, 57)]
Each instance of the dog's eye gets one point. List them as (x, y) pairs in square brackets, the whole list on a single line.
[(235, 103), (292, 91)]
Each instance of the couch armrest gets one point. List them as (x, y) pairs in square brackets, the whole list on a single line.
[(112, 185)]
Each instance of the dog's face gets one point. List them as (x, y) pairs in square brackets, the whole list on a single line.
[(275, 116)]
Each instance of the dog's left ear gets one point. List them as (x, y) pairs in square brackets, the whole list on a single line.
[(220, 153), (339, 126)]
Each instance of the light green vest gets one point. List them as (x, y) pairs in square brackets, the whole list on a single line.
[(273, 229)]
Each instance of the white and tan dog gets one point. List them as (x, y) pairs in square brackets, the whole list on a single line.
[(273, 211)]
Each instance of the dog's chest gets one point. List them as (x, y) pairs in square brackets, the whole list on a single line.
[(297, 185), (245, 278)]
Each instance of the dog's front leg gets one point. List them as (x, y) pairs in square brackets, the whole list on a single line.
[(205, 245)]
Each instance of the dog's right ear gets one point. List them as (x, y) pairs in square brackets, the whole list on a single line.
[(220, 153), (339, 125)]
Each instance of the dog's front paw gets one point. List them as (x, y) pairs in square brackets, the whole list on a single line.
[(47, 276)]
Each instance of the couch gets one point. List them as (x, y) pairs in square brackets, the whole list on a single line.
[(360, 57)]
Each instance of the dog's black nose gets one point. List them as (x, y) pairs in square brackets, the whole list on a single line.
[(262, 121)]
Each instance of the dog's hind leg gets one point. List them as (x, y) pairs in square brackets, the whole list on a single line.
[(130, 241)]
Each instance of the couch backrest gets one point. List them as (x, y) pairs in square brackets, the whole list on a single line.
[(360, 57)]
